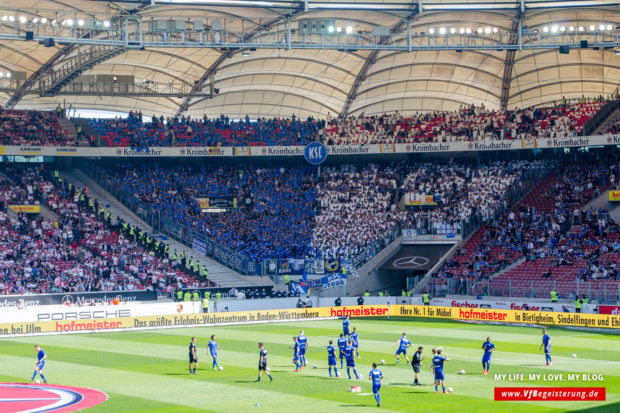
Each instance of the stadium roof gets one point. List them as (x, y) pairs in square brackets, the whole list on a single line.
[(282, 82)]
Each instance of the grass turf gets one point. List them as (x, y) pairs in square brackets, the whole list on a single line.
[(147, 370)]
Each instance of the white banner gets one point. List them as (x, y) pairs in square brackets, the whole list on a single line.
[(123, 310), (157, 152)]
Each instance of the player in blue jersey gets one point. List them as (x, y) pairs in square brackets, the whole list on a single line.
[(349, 354), (403, 343), (296, 360), (546, 342), (193, 356), (488, 348), (262, 362), (342, 343), (303, 346), (38, 367), (375, 376), (213, 348), (356, 342), (345, 326), (438, 361), (331, 358)]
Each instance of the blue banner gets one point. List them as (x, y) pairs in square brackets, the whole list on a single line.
[(333, 280), (292, 266), (300, 288)]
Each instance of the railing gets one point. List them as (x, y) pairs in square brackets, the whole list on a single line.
[(601, 290)]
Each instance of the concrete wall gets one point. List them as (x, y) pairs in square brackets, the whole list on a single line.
[(281, 303)]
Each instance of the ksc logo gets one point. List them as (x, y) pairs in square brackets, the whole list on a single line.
[(315, 153), (35, 398)]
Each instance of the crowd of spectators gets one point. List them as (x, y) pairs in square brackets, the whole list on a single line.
[(462, 191), (295, 212), (469, 123), (35, 128), (221, 131), (274, 205), (75, 251), (549, 226), (613, 127), (356, 207)]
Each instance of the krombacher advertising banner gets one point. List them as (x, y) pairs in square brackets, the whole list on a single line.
[(242, 317), (215, 151)]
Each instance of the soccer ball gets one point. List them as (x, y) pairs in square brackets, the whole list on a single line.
[(462, 371), (221, 368), (314, 367), (382, 361), (449, 389), (574, 355), (37, 381), (359, 377), (267, 369)]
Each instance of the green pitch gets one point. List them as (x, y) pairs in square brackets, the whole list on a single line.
[(147, 370)]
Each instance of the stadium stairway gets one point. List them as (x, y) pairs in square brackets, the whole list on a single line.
[(615, 214), (218, 273), (605, 124), (68, 126), (600, 202)]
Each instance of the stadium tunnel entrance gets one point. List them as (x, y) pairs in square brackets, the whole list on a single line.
[(409, 261)]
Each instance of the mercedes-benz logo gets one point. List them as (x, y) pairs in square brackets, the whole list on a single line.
[(67, 299), (410, 262)]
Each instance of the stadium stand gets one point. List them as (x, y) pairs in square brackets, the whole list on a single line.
[(291, 212), (467, 124), (78, 251), (31, 127), (548, 238)]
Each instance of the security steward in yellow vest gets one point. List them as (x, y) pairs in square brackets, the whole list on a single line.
[(554, 296)]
